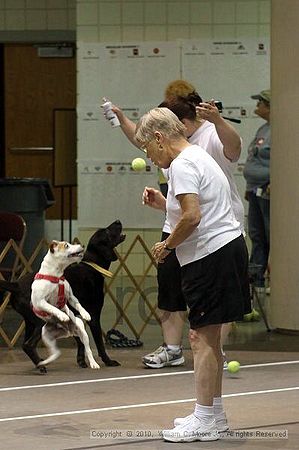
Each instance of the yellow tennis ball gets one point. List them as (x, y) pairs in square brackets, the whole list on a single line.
[(138, 164), (233, 366)]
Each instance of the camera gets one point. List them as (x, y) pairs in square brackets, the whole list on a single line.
[(218, 105)]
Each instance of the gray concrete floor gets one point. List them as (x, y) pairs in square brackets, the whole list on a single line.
[(57, 411)]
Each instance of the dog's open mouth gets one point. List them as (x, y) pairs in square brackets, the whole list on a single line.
[(76, 255), (122, 238)]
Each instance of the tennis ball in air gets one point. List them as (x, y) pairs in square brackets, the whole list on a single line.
[(138, 164), (233, 366)]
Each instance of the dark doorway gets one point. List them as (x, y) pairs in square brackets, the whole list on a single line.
[(34, 86)]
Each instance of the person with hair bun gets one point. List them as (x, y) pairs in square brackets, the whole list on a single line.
[(178, 88), (206, 128)]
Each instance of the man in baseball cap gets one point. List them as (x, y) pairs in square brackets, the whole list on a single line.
[(263, 95), (257, 175)]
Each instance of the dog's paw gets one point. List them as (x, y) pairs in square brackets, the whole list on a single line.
[(42, 369), (85, 315), (111, 363), (82, 364), (94, 365), (62, 317)]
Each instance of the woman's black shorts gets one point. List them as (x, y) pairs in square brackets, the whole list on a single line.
[(216, 287)]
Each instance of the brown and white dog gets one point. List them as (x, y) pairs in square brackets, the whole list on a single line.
[(49, 296)]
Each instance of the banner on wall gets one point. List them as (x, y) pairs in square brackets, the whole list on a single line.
[(114, 168), (128, 74), (111, 190), (134, 76), (230, 71)]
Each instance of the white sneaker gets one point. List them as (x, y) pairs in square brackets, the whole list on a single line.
[(192, 430), (163, 357), (220, 419), (225, 364)]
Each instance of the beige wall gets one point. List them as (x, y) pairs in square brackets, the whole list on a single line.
[(123, 20), (284, 165), (31, 15), (116, 20)]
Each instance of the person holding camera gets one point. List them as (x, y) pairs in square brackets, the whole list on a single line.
[(257, 176)]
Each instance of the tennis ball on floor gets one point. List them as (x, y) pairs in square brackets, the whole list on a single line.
[(248, 317), (233, 366), (138, 164)]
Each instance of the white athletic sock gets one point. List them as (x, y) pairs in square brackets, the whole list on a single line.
[(174, 348), (218, 406), (204, 413)]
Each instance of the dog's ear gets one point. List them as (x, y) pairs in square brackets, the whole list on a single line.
[(52, 246), (100, 237)]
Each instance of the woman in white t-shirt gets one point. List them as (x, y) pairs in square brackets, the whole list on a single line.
[(212, 254), (206, 128)]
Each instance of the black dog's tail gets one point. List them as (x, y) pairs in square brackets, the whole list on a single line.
[(10, 286)]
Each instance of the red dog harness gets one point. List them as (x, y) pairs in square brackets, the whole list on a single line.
[(61, 298)]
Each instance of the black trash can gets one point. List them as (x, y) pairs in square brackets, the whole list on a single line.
[(28, 197)]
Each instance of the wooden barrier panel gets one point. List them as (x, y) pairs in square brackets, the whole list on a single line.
[(25, 267), (137, 288)]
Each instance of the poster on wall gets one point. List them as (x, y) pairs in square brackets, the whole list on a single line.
[(230, 71), (133, 76), (111, 189)]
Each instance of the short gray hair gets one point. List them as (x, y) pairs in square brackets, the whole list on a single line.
[(159, 119)]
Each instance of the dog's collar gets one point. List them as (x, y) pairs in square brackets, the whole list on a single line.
[(100, 269), (52, 278)]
